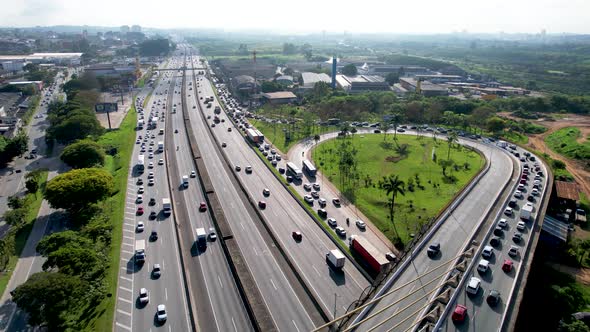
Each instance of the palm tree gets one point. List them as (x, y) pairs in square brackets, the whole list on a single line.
[(451, 138), (393, 186)]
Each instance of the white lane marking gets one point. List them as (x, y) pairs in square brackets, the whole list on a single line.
[(123, 312), (125, 278), (169, 327), (234, 323), (128, 237), (242, 224), (273, 284), (255, 252), (126, 289), (295, 324), (219, 279), (123, 326), (127, 252), (166, 293), (316, 271), (128, 230), (125, 300)]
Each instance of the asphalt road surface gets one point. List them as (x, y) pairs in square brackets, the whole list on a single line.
[(334, 291)]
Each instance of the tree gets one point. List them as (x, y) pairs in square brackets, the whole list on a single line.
[(289, 48), (154, 47), (83, 154), (393, 186), (18, 145), (451, 139), (495, 124), (76, 127), (269, 86), (53, 242), (15, 217), (320, 90), (445, 164), (307, 51), (33, 181), (575, 326), (349, 70), (79, 188), (480, 115), (392, 78), (16, 202), (47, 298), (87, 263)]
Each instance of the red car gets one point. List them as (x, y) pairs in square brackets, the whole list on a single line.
[(459, 313), (262, 204), (203, 207), (507, 266), (139, 210)]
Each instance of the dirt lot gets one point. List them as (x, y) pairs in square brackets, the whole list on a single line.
[(116, 117), (576, 168), (582, 275)]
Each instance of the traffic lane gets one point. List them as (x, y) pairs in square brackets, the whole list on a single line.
[(227, 303), (161, 251), (276, 291), (312, 271), (496, 279)]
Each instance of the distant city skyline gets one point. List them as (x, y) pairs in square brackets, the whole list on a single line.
[(373, 16)]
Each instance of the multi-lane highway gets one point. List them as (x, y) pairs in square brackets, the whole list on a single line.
[(334, 291), (281, 298), (169, 288)]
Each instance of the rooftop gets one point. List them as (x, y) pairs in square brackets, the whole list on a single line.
[(555, 227), (280, 95), (567, 190)]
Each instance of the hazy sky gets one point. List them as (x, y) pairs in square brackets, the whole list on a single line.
[(396, 16)]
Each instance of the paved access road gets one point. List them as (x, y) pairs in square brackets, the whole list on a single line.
[(169, 289), (480, 315), (282, 300), (285, 215)]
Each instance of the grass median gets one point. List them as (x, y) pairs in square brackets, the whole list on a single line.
[(122, 141), (428, 189)]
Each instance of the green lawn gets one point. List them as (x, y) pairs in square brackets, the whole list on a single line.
[(276, 133), (33, 203), (376, 160), (564, 141), (123, 140)]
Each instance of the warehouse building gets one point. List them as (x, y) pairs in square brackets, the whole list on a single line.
[(362, 83), (310, 79), (281, 97)]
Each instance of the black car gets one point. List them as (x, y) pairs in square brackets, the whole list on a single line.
[(433, 250), (498, 231), (512, 203), (493, 298), (152, 201), (322, 213), (495, 241), (530, 198), (154, 236), (153, 215)]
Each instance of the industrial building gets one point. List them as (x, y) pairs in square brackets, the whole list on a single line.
[(244, 85), (383, 70), (67, 59), (425, 88), (309, 79), (286, 80), (281, 97), (110, 70), (362, 83)]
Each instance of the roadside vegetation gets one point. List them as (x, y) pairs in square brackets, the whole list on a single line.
[(21, 217), (569, 143), (75, 290), (399, 183)]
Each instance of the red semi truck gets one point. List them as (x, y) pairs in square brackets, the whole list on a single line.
[(374, 259)]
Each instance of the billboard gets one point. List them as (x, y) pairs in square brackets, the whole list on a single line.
[(105, 107)]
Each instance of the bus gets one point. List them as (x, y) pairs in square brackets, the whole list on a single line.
[(294, 170), (309, 168)]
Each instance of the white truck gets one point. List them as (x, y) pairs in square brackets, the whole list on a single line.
[(201, 237), (526, 212), (336, 259), (140, 124), (184, 181), (160, 146), (139, 251), (166, 206)]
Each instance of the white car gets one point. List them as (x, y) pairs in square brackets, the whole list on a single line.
[(308, 199), (144, 296), (151, 165), (521, 226), (332, 222), (139, 198), (509, 212), (483, 266), (488, 251), (503, 223), (140, 226), (151, 155), (361, 224), (518, 194), (307, 186), (513, 251), (322, 201), (161, 162), (140, 190), (161, 313), (473, 285), (193, 174)]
